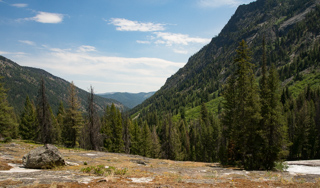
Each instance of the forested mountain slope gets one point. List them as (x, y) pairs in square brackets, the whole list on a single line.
[(22, 81), (292, 32)]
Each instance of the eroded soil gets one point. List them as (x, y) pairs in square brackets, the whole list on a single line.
[(141, 172)]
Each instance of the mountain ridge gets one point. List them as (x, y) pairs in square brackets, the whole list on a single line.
[(22, 81)]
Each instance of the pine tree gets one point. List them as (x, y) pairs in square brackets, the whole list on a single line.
[(227, 153), (106, 130), (146, 140), (60, 119), (28, 121), (7, 123), (274, 125), (93, 125), (136, 139), (155, 147), (215, 137), (127, 124), (73, 121), (185, 141), (193, 134), (56, 129), (44, 116), (116, 126), (244, 137)]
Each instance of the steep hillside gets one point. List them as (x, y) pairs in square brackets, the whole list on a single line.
[(128, 99), (292, 32), (22, 81)]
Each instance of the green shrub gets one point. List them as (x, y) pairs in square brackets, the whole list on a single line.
[(7, 140), (281, 166), (101, 170)]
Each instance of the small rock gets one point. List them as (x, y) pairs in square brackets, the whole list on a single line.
[(103, 180)]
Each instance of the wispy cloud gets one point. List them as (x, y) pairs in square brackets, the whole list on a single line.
[(47, 17), (85, 48), (220, 3), (143, 42), (12, 53), (19, 5), (130, 74), (129, 25), (27, 42), (177, 38)]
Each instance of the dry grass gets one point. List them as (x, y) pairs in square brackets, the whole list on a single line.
[(4, 165)]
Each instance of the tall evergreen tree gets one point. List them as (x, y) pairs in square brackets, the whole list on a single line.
[(274, 125), (116, 126), (56, 129), (60, 118), (155, 146), (127, 124), (93, 124), (246, 115), (44, 116), (226, 152), (28, 121), (107, 130), (136, 139), (185, 141), (146, 140), (73, 121)]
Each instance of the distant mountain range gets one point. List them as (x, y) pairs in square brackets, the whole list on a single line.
[(130, 100), (22, 81)]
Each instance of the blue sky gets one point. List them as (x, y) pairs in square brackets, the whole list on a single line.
[(113, 45)]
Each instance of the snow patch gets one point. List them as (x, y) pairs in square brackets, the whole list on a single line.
[(17, 168), (91, 154), (300, 169), (141, 180)]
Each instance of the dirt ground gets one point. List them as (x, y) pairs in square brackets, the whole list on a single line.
[(141, 172)]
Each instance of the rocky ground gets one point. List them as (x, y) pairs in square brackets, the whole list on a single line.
[(140, 172)]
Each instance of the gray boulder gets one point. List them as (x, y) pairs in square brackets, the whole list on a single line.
[(43, 157)]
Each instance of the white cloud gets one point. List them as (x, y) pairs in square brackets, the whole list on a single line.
[(47, 17), (85, 48), (220, 3), (159, 42), (11, 53), (19, 5), (143, 42), (128, 25), (176, 38), (104, 72), (27, 42)]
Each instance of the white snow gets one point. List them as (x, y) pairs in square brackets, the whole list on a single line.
[(91, 154), (300, 169), (17, 168), (141, 180)]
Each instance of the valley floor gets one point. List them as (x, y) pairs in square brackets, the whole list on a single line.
[(142, 172)]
